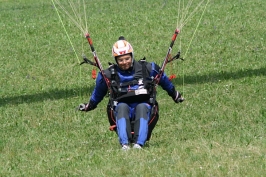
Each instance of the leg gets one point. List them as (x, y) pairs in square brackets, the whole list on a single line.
[(142, 116), (122, 112)]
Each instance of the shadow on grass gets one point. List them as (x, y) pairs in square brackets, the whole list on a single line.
[(221, 76), (49, 95), (75, 92)]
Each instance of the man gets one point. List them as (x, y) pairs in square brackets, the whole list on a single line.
[(132, 109)]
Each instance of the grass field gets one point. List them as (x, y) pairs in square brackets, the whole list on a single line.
[(220, 129)]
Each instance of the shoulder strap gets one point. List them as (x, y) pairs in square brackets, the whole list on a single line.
[(147, 80), (112, 75)]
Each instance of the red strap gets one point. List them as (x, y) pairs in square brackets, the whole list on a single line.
[(93, 74), (112, 128), (172, 76)]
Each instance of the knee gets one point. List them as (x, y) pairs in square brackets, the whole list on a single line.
[(122, 110), (143, 107), (122, 107), (142, 111)]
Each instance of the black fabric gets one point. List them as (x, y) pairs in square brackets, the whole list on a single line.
[(153, 121), (138, 70), (111, 116), (177, 97), (119, 91), (91, 106), (172, 93)]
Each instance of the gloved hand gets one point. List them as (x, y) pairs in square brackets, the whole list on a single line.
[(82, 107), (86, 106), (177, 97)]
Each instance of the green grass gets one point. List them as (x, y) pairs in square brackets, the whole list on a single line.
[(218, 131)]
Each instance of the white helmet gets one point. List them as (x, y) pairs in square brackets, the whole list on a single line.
[(122, 47)]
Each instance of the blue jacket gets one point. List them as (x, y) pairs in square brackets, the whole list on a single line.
[(101, 88)]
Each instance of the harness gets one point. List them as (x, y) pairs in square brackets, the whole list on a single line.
[(123, 92), (140, 89)]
